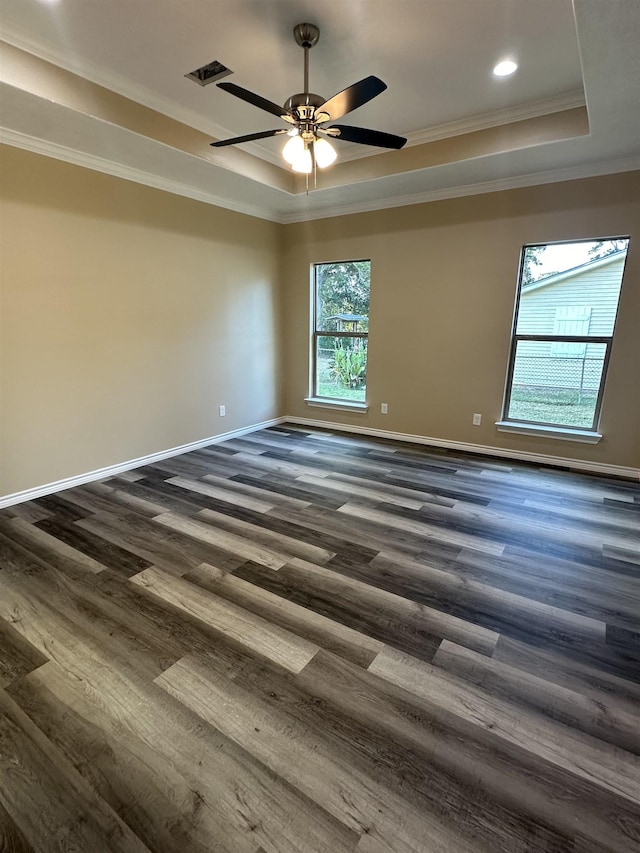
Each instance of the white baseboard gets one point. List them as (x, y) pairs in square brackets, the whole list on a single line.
[(111, 470), (463, 447), (485, 450)]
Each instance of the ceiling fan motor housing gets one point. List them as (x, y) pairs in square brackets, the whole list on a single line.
[(304, 104)]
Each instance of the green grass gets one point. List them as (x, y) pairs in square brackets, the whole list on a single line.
[(332, 389), (559, 406)]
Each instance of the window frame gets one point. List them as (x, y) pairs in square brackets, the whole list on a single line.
[(516, 338), (316, 335), (567, 339)]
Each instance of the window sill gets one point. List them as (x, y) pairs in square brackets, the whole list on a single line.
[(540, 431), (341, 405)]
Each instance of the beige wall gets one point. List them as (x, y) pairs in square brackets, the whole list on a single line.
[(442, 298), (127, 316)]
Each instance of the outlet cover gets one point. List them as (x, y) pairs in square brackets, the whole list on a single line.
[(384, 408), (477, 419), (222, 411)]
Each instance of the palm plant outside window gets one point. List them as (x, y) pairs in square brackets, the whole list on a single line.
[(565, 315), (340, 330)]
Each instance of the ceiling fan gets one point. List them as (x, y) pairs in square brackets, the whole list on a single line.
[(311, 117)]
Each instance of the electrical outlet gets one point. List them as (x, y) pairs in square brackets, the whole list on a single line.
[(477, 419), (384, 408), (222, 411)]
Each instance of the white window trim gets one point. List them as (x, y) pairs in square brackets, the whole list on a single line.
[(584, 436), (344, 405), (329, 402)]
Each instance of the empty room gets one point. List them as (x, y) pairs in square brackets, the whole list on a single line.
[(320, 426)]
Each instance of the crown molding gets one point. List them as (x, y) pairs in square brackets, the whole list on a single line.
[(472, 124), (521, 112), (117, 170), (574, 173), (99, 164)]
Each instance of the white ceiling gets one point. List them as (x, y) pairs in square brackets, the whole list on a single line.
[(436, 57)]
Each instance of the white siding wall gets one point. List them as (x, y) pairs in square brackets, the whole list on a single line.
[(597, 289)]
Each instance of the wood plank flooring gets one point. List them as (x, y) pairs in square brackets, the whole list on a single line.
[(306, 642)]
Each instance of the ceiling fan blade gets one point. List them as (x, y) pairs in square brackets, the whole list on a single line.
[(263, 134), (350, 98), (257, 101), (364, 136)]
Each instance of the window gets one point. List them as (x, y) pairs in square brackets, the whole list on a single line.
[(565, 316), (340, 330)]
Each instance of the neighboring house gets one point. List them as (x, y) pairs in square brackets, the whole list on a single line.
[(579, 301)]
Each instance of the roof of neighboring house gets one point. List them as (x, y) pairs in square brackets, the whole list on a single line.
[(556, 277), (348, 318)]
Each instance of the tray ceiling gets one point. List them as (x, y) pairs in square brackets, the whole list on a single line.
[(103, 84)]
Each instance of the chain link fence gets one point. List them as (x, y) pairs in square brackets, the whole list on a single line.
[(568, 374), (555, 390)]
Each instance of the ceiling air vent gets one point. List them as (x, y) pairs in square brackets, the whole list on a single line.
[(209, 73)]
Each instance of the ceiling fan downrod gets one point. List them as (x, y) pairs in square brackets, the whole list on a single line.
[(305, 103), (306, 35)]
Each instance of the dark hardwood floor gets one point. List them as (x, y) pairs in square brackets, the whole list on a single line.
[(301, 641)]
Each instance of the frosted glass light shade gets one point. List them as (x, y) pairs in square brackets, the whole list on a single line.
[(298, 155), (302, 163), (325, 153), (293, 149)]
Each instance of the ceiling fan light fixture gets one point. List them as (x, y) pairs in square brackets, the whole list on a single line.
[(325, 153), (303, 162), (293, 149)]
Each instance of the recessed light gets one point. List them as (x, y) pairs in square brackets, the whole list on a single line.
[(505, 68)]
